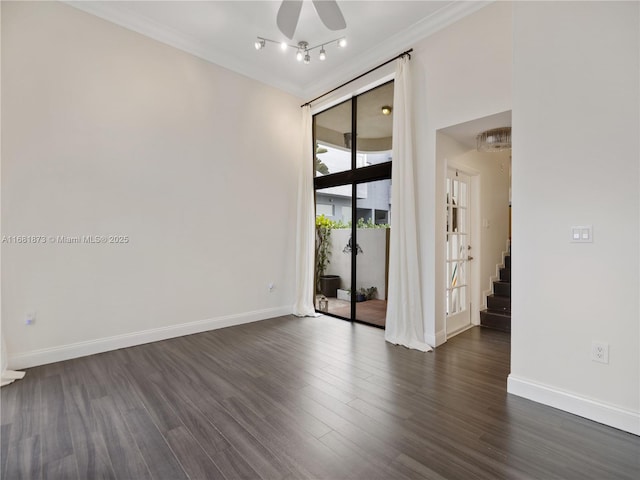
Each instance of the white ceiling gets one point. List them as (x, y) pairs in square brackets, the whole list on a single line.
[(224, 33), (466, 132)]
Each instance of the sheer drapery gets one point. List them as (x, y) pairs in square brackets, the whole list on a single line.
[(305, 239), (8, 376), (404, 324)]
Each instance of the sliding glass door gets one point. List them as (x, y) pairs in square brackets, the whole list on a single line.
[(352, 142)]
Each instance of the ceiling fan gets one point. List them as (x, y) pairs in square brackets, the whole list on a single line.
[(328, 11)]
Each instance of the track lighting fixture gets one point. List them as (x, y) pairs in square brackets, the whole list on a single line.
[(302, 48)]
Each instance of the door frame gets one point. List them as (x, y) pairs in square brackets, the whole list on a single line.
[(475, 290)]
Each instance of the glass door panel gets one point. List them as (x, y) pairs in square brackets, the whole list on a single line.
[(352, 144), (375, 126), (332, 132), (333, 265), (458, 252), (371, 247)]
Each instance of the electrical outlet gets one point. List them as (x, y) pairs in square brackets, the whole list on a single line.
[(30, 318), (600, 352)]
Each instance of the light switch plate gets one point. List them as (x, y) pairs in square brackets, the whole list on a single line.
[(581, 234)]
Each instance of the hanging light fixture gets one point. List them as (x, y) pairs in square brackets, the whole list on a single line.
[(494, 140), (302, 48)]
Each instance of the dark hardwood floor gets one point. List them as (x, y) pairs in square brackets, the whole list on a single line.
[(292, 398)]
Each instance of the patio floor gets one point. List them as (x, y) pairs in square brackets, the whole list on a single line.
[(370, 311)]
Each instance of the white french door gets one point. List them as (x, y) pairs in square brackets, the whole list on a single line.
[(458, 256)]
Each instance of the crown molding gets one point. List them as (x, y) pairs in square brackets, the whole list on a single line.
[(116, 13), (396, 44)]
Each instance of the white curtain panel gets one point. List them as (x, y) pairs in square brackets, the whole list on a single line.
[(404, 324), (306, 225), (8, 376)]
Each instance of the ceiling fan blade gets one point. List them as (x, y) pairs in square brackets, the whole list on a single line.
[(288, 15), (330, 14)]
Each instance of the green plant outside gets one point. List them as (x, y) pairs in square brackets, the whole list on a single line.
[(324, 226), (323, 246)]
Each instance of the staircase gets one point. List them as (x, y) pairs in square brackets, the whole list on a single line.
[(498, 312)]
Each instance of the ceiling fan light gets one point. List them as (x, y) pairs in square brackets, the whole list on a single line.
[(342, 42), (283, 46), (307, 58), (299, 56), (323, 54)]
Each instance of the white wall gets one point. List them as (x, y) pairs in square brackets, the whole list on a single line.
[(490, 194), (371, 265), (460, 74), (108, 132), (576, 124)]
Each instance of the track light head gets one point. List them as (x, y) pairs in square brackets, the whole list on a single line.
[(323, 54), (260, 43), (307, 58), (342, 42)]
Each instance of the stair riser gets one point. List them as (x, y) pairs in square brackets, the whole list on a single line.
[(507, 261), (505, 274), (502, 289), (499, 304), (495, 321)]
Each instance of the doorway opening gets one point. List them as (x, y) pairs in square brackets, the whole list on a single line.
[(472, 245)]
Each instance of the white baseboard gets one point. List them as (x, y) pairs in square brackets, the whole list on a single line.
[(616, 417), (436, 340), (81, 349)]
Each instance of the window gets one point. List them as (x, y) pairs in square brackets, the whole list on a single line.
[(352, 179)]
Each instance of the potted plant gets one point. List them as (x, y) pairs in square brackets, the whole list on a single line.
[(366, 294), (325, 284)]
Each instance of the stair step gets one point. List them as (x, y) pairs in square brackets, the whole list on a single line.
[(496, 321), (498, 304), (505, 275), (507, 261), (502, 289)]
